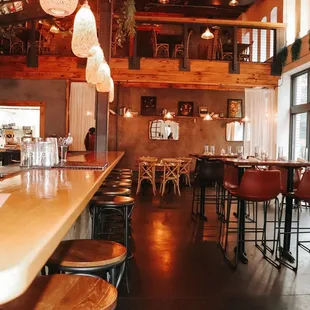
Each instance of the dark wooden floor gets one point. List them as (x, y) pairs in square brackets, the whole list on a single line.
[(178, 265)]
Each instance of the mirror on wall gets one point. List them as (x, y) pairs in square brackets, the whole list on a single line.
[(163, 130), (234, 131)]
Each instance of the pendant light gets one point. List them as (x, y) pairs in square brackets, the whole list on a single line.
[(84, 32), (128, 113), (234, 3), (54, 29), (207, 35), (93, 62), (164, 1), (208, 117), (168, 115), (59, 8), (111, 92)]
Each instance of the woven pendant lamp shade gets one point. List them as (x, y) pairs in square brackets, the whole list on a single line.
[(84, 32), (59, 8), (111, 93), (103, 78), (93, 62)]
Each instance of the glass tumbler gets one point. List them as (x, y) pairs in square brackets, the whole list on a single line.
[(212, 149), (264, 154), (256, 152), (47, 158), (240, 151), (206, 149), (280, 153), (228, 150), (27, 154)]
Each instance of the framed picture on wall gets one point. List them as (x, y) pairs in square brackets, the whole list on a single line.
[(234, 107), (148, 105), (185, 108)]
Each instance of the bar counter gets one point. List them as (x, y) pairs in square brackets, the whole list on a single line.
[(37, 209)]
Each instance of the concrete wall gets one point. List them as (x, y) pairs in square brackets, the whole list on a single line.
[(131, 134), (52, 92)]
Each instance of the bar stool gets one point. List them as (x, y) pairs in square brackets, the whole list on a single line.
[(122, 170), (118, 184), (302, 194), (116, 177), (90, 257), (256, 186), (113, 191), (63, 291), (122, 173)]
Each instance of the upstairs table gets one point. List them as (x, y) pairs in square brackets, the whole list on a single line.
[(37, 208), (290, 166)]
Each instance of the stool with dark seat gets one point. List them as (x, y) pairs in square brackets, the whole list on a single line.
[(122, 170), (206, 172), (121, 173), (63, 291), (256, 186), (117, 184), (99, 257), (119, 177)]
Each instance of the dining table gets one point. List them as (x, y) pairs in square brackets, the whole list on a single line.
[(290, 165)]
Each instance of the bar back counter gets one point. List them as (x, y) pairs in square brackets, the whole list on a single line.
[(39, 208)]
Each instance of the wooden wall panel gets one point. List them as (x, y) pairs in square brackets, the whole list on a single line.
[(203, 74)]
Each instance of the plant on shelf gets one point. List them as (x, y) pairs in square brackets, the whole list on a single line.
[(295, 49), (126, 25), (282, 55)]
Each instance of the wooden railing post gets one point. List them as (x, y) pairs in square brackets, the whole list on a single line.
[(234, 66), (184, 63), (134, 60), (32, 55)]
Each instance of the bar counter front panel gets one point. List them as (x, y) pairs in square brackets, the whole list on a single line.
[(37, 209)]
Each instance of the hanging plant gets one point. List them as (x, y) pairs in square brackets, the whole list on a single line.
[(282, 55), (295, 49), (126, 25)]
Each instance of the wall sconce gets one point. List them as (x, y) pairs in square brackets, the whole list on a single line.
[(208, 117), (168, 115), (128, 113)]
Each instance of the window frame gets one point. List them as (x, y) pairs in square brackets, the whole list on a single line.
[(298, 109)]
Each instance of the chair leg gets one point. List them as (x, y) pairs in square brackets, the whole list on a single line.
[(138, 187), (154, 186)]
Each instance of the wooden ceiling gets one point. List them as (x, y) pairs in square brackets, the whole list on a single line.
[(219, 9)]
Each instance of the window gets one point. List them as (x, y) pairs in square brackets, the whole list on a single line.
[(273, 19), (254, 46), (289, 14), (246, 38), (263, 42), (300, 114), (304, 17)]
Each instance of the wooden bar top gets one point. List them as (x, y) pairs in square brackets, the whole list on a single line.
[(37, 208)]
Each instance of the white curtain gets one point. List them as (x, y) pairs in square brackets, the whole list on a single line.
[(81, 112), (260, 130)]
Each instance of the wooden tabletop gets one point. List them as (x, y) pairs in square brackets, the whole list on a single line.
[(214, 156), (41, 207), (280, 163)]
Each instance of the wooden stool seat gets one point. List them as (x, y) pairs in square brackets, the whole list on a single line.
[(116, 184), (127, 173), (125, 181), (122, 170), (64, 292), (110, 191), (88, 253), (118, 177), (112, 201)]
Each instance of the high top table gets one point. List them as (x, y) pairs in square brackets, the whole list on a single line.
[(37, 208), (290, 166)]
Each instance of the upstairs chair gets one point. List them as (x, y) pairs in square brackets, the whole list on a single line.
[(147, 172), (224, 55), (185, 169), (179, 48), (159, 49), (171, 174), (246, 55)]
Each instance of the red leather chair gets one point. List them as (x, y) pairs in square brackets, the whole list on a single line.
[(259, 186)]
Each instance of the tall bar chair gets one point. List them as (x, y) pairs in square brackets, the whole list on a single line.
[(258, 186), (171, 174), (302, 194), (206, 172), (147, 172)]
